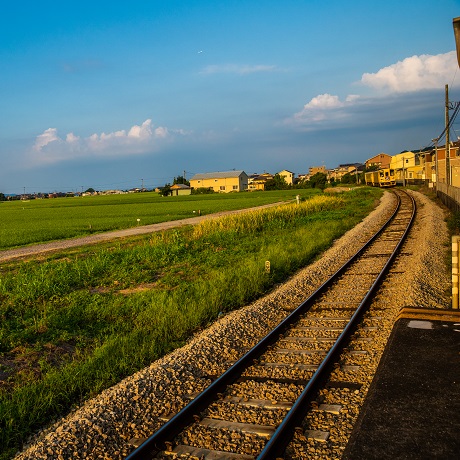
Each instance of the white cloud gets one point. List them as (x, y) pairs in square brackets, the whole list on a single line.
[(237, 69), (141, 132), (323, 101), (47, 137), (414, 73), (51, 148), (162, 133), (322, 107), (71, 138)]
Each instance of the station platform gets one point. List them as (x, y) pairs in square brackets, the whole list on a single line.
[(412, 410)]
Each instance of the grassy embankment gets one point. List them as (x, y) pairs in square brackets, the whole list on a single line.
[(67, 331)]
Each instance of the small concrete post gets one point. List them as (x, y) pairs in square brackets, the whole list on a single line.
[(455, 272), (297, 197)]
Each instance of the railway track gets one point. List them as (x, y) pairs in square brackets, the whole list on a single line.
[(270, 396)]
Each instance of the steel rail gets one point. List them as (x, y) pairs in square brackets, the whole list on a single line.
[(278, 442), (158, 440)]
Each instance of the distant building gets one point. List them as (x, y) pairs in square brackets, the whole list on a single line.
[(312, 170), (256, 182), (302, 177), (409, 167), (288, 176), (180, 189), (382, 160), (222, 182), (336, 174)]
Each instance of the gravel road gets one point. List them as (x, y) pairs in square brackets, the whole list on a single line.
[(105, 426)]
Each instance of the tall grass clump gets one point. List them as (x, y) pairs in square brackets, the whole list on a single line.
[(256, 220), (85, 320)]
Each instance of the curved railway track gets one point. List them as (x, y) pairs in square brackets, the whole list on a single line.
[(268, 397)]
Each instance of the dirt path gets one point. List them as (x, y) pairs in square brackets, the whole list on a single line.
[(35, 249)]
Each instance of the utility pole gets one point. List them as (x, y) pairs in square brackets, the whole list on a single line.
[(435, 140), (447, 137), (404, 173)]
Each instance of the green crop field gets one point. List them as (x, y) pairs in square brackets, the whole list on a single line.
[(38, 221)]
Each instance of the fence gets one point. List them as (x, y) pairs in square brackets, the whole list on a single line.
[(449, 195)]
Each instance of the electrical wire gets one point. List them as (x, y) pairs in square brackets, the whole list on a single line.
[(449, 126)]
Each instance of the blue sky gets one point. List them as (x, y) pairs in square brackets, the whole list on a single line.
[(115, 94)]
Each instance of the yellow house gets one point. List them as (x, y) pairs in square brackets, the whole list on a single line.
[(222, 182), (287, 175), (180, 189), (409, 167), (256, 182)]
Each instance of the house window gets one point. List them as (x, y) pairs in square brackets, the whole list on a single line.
[(222, 187), (235, 187)]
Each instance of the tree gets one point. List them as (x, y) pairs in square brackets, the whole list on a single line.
[(89, 190), (2, 197), (318, 180), (277, 183), (180, 180), (166, 190), (348, 178)]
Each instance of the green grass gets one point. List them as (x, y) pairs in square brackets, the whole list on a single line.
[(37, 221), (68, 319)]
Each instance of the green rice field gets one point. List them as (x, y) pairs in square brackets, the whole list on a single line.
[(37, 221)]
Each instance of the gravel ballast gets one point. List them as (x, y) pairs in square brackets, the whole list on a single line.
[(106, 426)]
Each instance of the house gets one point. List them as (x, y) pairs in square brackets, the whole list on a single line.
[(288, 176), (302, 177), (312, 170), (409, 167), (348, 168), (180, 189), (436, 168), (256, 182), (222, 182), (382, 160)]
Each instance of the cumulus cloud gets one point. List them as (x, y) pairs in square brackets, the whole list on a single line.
[(237, 69), (322, 107), (50, 147), (135, 136), (71, 138), (416, 73), (47, 137)]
